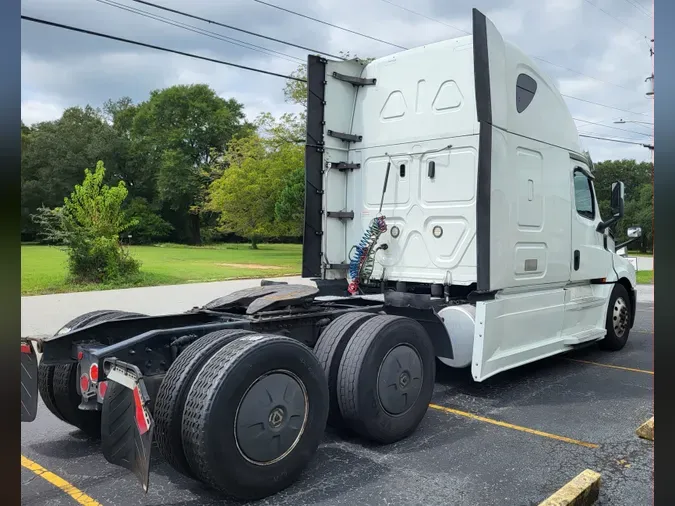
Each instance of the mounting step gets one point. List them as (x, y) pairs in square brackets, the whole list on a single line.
[(356, 81), (345, 137), (341, 214), (344, 166), (338, 266)]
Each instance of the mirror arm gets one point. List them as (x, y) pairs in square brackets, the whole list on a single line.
[(603, 225), (625, 243)]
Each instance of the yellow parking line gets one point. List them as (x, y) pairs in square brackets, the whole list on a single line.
[(59, 482), (514, 427), (610, 366)]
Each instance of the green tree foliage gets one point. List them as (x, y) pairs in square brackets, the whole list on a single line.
[(253, 174), (186, 126), (290, 206), (55, 153), (89, 224), (639, 208), (149, 226)]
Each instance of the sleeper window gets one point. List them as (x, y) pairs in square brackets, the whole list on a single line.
[(583, 195), (526, 87)]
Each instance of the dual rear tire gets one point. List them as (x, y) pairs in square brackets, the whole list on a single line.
[(258, 403), (57, 384), (380, 371)]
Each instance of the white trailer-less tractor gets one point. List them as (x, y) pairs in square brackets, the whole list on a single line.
[(450, 214)]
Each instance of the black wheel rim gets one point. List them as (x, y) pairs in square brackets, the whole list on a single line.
[(399, 380), (271, 417)]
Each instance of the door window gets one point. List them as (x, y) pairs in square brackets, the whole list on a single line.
[(583, 195)]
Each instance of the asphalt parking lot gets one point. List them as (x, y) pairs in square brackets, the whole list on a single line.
[(514, 439)]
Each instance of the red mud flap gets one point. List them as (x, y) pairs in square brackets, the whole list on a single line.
[(126, 424), (29, 382)]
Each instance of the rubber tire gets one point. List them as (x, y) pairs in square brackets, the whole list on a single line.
[(329, 350), (209, 416), (59, 392), (357, 379), (173, 392), (612, 342)]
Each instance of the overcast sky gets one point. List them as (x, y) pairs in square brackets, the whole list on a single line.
[(62, 69)]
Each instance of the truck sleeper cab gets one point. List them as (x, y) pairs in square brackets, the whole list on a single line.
[(450, 213)]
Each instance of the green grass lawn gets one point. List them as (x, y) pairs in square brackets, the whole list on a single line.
[(43, 268), (638, 254), (645, 277)]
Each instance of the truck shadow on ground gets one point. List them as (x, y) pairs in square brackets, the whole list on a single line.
[(331, 472)]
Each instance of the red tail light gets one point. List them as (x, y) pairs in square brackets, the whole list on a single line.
[(93, 372), (84, 383)]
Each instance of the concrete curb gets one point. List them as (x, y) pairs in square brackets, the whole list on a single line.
[(646, 430), (583, 490)]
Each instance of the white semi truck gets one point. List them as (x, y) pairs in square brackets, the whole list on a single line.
[(450, 213)]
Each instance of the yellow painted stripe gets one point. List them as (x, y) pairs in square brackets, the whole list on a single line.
[(79, 496), (514, 427), (610, 366)]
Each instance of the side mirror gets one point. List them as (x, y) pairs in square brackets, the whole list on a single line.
[(617, 199), (617, 203), (634, 232)]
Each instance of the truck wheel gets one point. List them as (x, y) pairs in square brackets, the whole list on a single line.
[(58, 384), (173, 391), (255, 415), (386, 378), (46, 372), (329, 350), (618, 319)]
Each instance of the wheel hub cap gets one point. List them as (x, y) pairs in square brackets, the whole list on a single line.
[(620, 317), (271, 417), (399, 379)]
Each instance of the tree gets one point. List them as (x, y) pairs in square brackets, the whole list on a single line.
[(183, 128), (89, 224), (253, 174), (634, 176), (55, 153)]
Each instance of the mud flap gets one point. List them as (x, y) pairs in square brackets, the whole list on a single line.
[(126, 424), (29, 382)]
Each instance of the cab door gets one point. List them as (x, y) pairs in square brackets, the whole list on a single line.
[(590, 258)]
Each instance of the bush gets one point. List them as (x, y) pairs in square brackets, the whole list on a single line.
[(150, 227), (89, 225)]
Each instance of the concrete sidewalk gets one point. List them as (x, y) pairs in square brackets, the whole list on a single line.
[(45, 314)]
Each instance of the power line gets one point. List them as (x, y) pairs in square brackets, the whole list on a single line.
[(639, 7), (159, 48), (237, 29), (602, 105), (616, 140), (425, 16), (613, 128), (613, 17), (329, 24), (582, 74), (201, 31)]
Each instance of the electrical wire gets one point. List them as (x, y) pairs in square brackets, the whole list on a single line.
[(613, 128), (425, 16), (621, 141), (329, 24), (603, 105), (613, 17), (205, 20), (159, 48), (639, 8), (201, 31)]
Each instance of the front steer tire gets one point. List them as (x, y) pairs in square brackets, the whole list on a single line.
[(57, 384), (255, 416), (386, 378), (173, 392), (618, 320)]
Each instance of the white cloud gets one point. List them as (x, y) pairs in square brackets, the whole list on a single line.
[(35, 111)]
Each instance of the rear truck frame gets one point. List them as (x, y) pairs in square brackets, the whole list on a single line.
[(477, 242)]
